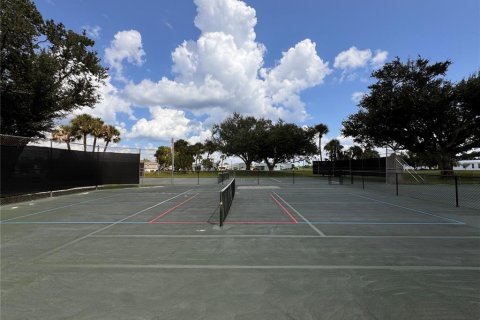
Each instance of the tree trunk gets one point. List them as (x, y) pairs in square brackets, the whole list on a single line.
[(106, 145), (445, 164), (68, 145), (85, 142), (320, 147), (94, 143)]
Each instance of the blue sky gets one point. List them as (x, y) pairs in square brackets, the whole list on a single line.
[(177, 67)]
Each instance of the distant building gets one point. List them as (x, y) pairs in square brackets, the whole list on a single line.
[(467, 165), (148, 166)]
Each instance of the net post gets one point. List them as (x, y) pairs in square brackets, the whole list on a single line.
[(221, 211)]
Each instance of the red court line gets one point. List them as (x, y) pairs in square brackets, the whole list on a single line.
[(179, 222), (285, 210), (171, 209)]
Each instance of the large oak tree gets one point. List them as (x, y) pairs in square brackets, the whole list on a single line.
[(411, 106), (46, 70)]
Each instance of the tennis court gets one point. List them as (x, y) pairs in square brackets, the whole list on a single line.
[(302, 250)]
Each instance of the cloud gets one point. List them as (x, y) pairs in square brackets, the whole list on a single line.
[(126, 45), (165, 123), (223, 70), (110, 104), (378, 60), (92, 31), (352, 58), (357, 96)]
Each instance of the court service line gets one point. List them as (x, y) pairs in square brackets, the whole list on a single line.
[(105, 228), (276, 180), (301, 216), (265, 267), (57, 208), (410, 209), (171, 209)]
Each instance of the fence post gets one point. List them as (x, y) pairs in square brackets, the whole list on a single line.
[(363, 181), (293, 176), (258, 176), (50, 169), (456, 191), (198, 176), (351, 177), (97, 178), (396, 181)]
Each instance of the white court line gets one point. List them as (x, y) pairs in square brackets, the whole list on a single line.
[(276, 180), (410, 209), (57, 208), (288, 236), (298, 213), (104, 228), (264, 267)]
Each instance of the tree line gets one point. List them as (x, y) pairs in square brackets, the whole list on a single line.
[(85, 125), (257, 140)]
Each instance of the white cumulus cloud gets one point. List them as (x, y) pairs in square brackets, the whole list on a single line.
[(165, 123), (353, 59), (126, 45), (223, 70), (110, 104)]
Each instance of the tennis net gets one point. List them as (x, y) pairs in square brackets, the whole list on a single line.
[(226, 197), (222, 176)]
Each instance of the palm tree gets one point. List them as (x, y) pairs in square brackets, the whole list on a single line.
[(83, 124), (97, 131), (65, 134), (334, 149), (110, 134), (322, 130)]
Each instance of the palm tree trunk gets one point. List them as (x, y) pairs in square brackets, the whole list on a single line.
[(320, 147), (85, 142), (106, 145), (68, 145), (94, 143)]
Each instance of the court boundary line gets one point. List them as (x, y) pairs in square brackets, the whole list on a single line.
[(265, 267), (285, 210), (164, 213), (54, 250), (300, 215), (287, 236), (57, 208), (410, 209)]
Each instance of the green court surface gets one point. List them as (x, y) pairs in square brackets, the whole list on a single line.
[(299, 249)]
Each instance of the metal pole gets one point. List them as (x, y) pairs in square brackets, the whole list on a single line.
[(50, 168), (456, 191), (396, 182), (258, 176), (363, 181), (198, 177), (293, 176)]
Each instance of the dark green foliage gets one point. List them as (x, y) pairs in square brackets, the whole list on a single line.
[(46, 70), (412, 107), (254, 139)]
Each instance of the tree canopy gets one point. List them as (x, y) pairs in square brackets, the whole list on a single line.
[(413, 107), (46, 70), (253, 139)]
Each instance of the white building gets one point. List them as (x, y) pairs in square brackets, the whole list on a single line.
[(467, 165)]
